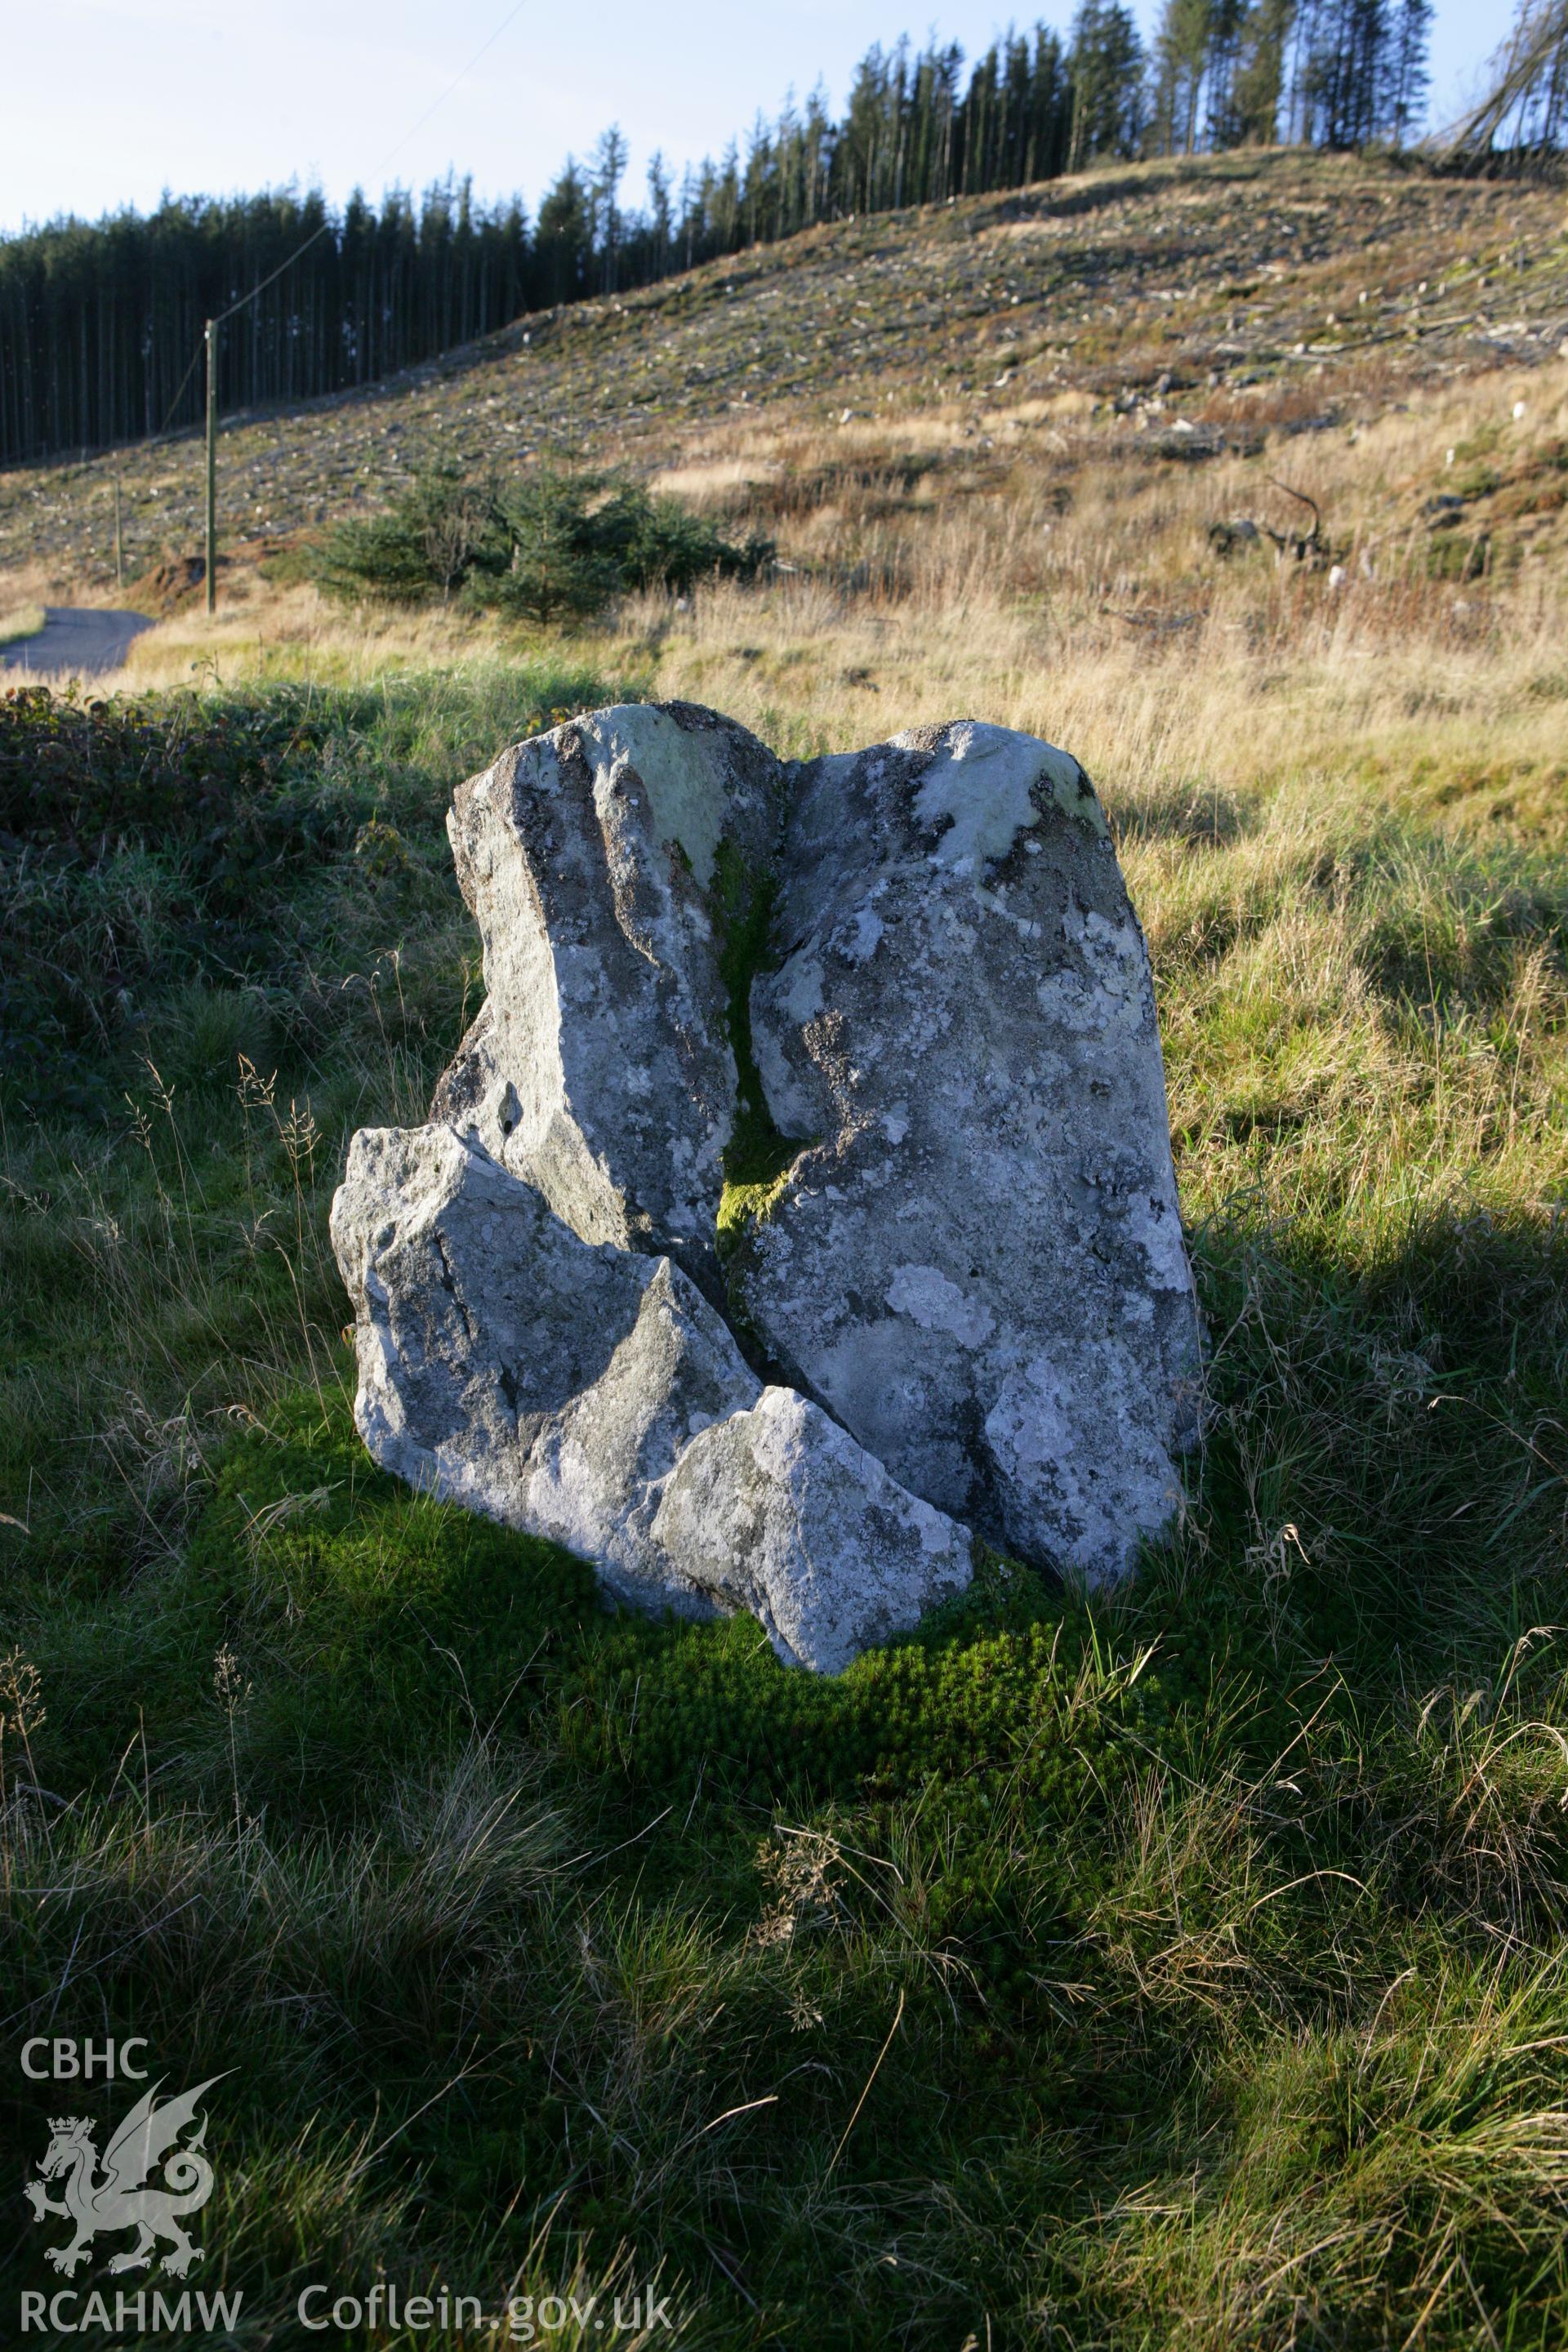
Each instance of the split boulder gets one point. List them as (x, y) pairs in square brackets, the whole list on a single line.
[(965, 1304)]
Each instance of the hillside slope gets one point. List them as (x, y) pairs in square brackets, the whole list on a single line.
[(1269, 288)]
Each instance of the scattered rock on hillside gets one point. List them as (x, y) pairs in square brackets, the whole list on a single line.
[(591, 1394), (972, 1275), (978, 1267), (1234, 534)]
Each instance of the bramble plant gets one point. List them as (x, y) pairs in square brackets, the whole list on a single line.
[(183, 870)]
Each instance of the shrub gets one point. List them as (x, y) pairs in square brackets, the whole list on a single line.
[(426, 545), (553, 557), (546, 546), (147, 842)]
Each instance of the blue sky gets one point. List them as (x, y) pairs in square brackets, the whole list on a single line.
[(109, 104)]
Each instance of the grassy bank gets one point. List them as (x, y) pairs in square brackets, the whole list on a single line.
[(18, 620), (1187, 1970)]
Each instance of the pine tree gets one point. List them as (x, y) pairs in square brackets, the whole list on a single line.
[(609, 169), (1181, 64), (563, 238), (1227, 24), (1346, 79), (1259, 87), (1106, 66), (658, 213), (1408, 74)]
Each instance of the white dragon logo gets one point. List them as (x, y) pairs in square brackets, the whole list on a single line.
[(116, 2198)]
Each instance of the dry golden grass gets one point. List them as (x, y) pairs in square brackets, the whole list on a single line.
[(1318, 777), (931, 562), (1274, 287), (19, 621), (28, 587), (24, 590), (265, 632), (1072, 592), (1318, 772)]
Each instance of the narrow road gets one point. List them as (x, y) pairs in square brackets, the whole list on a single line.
[(75, 637)]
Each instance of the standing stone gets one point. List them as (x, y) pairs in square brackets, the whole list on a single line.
[(970, 1285), (600, 1068), (977, 1264)]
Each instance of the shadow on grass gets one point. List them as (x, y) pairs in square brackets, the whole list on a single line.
[(371, 1803)]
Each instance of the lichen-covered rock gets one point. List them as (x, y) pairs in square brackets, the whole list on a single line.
[(592, 1396), (970, 1285), (548, 1382), (779, 1511), (600, 1068), (978, 1263)]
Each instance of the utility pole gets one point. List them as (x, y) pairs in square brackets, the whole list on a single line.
[(118, 540), (212, 466)]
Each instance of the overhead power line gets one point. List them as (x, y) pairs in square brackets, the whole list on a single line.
[(214, 323), (391, 152)]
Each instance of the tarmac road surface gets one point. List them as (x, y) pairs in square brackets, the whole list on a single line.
[(75, 637)]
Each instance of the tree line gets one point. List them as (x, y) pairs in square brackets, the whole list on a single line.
[(100, 323), (1324, 73)]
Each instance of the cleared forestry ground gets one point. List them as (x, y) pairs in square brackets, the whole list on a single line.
[(1276, 289)]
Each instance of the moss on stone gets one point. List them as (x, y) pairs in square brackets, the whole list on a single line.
[(758, 1157)]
